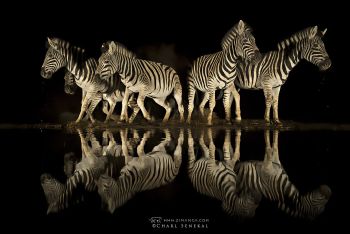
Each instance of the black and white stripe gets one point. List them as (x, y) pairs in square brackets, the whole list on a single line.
[(145, 172), (96, 160), (218, 179), (272, 71), (268, 179), (149, 79), (62, 54), (218, 71)]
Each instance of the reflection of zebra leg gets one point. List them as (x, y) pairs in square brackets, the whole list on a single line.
[(237, 153), (190, 152), (178, 149), (211, 144), (141, 146), (161, 146)]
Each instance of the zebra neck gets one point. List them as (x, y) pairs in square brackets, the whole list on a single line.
[(125, 66), (229, 60), (291, 59), (77, 64)]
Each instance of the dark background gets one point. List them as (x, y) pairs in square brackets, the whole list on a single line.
[(174, 33)]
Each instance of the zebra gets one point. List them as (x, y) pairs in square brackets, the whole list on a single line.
[(218, 179), (145, 172), (61, 53), (268, 179), (218, 71), (272, 71), (109, 100), (148, 78), (96, 160)]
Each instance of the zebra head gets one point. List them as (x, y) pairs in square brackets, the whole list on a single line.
[(69, 83), (314, 50), (107, 64), (313, 203), (54, 60), (244, 42)]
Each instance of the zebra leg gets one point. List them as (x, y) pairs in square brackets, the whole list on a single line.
[(178, 98), (211, 106), (227, 106), (268, 102), (237, 98), (124, 112), (84, 106), (94, 102), (112, 104), (191, 95), (133, 105), (276, 93), (141, 104), (162, 102), (204, 101)]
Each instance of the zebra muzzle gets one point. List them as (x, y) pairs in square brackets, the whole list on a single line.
[(325, 64), (45, 74)]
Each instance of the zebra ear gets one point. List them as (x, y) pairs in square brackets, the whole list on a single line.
[(324, 31), (241, 27), (104, 47), (112, 47), (53, 43), (313, 32)]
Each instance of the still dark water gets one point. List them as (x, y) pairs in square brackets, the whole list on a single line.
[(178, 179)]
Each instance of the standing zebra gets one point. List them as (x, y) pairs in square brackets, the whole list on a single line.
[(149, 79), (62, 54), (218, 179), (268, 179), (145, 172), (271, 72), (218, 71), (96, 160)]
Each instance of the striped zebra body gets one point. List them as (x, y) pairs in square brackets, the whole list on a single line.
[(272, 71), (218, 70), (268, 179), (145, 172), (62, 54), (148, 78), (218, 179)]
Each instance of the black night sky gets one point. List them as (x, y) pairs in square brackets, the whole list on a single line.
[(174, 34)]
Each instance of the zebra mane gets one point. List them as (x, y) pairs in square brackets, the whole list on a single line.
[(118, 48), (231, 34), (67, 45), (295, 38)]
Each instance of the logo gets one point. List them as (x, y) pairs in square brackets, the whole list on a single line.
[(179, 223)]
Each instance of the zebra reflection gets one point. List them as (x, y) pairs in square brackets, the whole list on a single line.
[(218, 179), (95, 161), (145, 172), (269, 180)]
